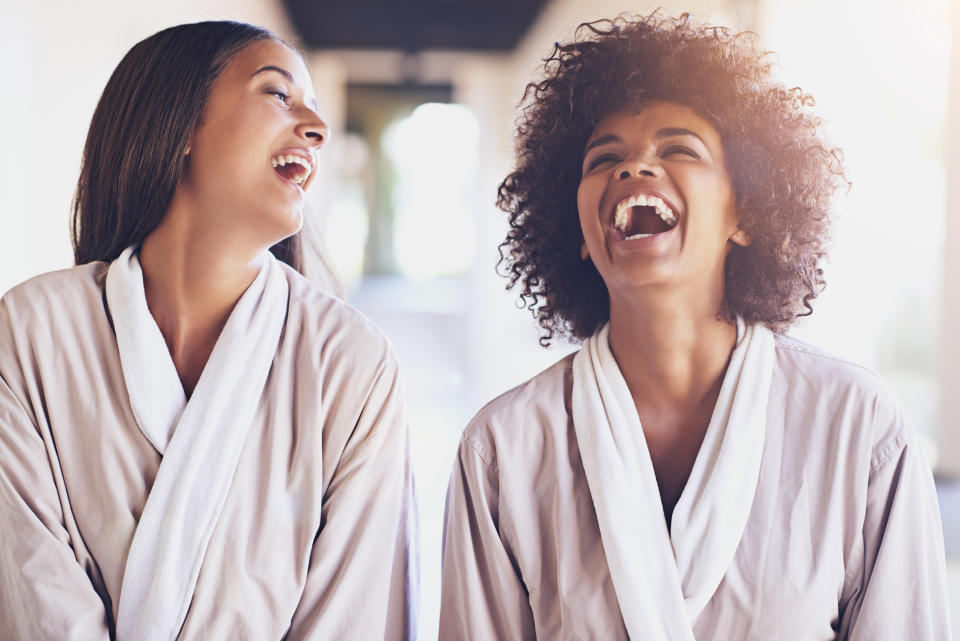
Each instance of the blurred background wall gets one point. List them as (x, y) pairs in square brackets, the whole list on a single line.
[(423, 135)]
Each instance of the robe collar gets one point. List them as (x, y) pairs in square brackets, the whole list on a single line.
[(663, 579), (200, 439)]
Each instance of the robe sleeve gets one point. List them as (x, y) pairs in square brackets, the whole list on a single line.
[(45, 593), (902, 592), (362, 580), (482, 594)]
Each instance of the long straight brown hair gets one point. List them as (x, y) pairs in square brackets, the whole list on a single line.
[(134, 158)]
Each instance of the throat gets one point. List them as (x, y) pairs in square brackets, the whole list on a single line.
[(291, 172), (644, 220), (190, 352), (673, 452), (639, 221)]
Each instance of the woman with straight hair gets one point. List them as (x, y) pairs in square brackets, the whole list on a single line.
[(195, 441), (690, 472)]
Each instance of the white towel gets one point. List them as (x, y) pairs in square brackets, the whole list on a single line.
[(663, 579), (200, 440)]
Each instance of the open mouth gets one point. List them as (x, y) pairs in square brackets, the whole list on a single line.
[(294, 168), (643, 216)]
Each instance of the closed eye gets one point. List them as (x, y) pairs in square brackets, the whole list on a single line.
[(680, 149), (280, 94), (602, 159)]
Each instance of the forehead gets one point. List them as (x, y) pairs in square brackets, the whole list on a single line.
[(264, 53), (654, 116)]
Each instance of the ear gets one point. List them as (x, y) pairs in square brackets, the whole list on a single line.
[(584, 252), (741, 238)]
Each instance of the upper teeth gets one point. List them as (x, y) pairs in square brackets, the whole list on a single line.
[(280, 161), (622, 219)]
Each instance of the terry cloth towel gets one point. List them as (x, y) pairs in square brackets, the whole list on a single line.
[(663, 579), (200, 439)]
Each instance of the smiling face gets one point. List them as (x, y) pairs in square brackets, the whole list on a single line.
[(656, 203), (253, 153)]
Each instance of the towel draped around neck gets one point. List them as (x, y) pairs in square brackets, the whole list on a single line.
[(200, 439), (664, 578)]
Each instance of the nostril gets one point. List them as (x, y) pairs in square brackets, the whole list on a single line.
[(624, 174)]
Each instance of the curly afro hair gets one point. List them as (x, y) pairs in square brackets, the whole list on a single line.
[(784, 173)]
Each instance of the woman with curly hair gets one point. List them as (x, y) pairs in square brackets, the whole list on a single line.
[(690, 473)]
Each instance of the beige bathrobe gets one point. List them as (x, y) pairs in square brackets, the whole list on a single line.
[(315, 534), (840, 536)]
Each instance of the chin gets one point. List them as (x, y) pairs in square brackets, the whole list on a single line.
[(275, 227), (289, 222)]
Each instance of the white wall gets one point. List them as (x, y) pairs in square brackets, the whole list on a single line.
[(950, 317), (878, 71)]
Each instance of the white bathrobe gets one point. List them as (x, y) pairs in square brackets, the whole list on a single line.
[(275, 503), (809, 514)]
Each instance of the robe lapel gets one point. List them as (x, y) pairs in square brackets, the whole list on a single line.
[(624, 490), (663, 583), (153, 385), (201, 444), (709, 519)]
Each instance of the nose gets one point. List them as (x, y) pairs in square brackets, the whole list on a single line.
[(638, 167), (313, 129)]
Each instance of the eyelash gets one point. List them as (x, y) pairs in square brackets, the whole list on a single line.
[(683, 150), (603, 158), (281, 95)]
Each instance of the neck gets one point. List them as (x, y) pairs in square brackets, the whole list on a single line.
[(192, 280), (673, 355)]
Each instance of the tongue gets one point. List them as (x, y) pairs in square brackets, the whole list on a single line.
[(644, 220), (290, 172)]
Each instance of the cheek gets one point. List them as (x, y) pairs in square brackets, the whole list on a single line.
[(581, 205), (731, 218), (721, 208), (588, 203), (216, 160)]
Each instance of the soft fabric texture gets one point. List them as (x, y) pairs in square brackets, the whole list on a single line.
[(664, 580), (200, 448), (276, 504), (842, 538)]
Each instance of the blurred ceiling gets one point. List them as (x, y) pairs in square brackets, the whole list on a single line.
[(413, 25)]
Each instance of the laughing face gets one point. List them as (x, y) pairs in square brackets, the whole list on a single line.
[(253, 154), (656, 203)]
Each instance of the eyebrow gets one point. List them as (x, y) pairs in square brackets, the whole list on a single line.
[(666, 132), (602, 140), (286, 74), (677, 131)]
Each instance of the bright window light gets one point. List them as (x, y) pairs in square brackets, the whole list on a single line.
[(434, 153)]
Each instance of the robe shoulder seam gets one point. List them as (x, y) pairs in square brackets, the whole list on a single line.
[(889, 451), (793, 345), (484, 423), (860, 376), (18, 413), (507, 397), (479, 450)]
